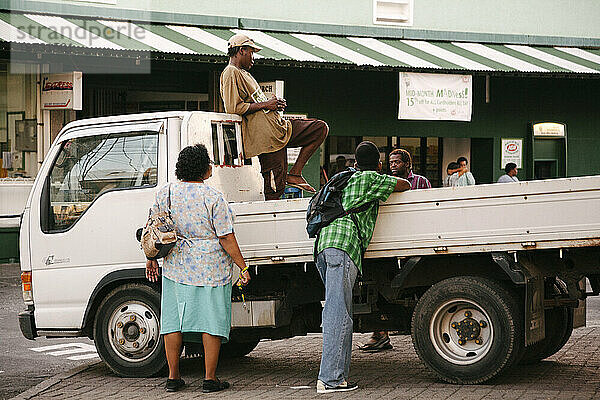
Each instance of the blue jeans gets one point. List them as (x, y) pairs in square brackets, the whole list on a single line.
[(338, 273)]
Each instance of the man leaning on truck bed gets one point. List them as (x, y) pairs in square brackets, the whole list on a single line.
[(265, 133), (339, 260)]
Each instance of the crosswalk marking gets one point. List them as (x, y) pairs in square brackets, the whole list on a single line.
[(65, 349)]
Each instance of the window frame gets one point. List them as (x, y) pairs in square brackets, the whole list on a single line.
[(47, 216)]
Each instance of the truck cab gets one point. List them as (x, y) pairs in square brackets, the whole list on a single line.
[(97, 184)]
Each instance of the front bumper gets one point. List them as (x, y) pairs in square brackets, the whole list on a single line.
[(27, 323)]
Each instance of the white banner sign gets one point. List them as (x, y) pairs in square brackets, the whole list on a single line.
[(61, 91), (512, 151), (435, 97)]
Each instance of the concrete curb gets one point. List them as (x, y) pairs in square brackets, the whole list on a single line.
[(48, 383)]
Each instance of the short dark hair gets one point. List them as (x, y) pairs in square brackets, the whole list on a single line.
[(462, 159), (232, 51), (404, 155), (367, 156), (509, 167), (452, 165), (192, 163)]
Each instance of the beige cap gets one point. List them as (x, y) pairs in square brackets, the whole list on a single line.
[(239, 40)]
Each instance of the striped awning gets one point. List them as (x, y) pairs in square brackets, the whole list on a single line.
[(298, 47)]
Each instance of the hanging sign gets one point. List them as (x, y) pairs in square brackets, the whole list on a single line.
[(512, 152), (439, 97), (61, 91), (549, 129)]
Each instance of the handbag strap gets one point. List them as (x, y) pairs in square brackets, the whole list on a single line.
[(169, 199)]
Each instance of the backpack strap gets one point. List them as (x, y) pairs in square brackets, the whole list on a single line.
[(352, 213)]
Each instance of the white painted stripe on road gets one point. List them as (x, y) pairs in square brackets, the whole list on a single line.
[(54, 347), (73, 32), (549, 58), (392, 52), (279, 46), (586, 55), (499, 56), (147, 37), (72, 351), (446, 55), (84, 357), (12, 34), (337, 49)]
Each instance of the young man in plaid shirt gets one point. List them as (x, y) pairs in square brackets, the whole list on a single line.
[(339, 259)]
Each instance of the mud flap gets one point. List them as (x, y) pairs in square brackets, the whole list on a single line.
[(579, 312), (535, 329)]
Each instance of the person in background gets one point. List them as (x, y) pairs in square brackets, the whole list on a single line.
[(265, 132), (452, 171), (466, 178), (340, 164), (339, 260), (400, 166), (197, 273), (510, 175)]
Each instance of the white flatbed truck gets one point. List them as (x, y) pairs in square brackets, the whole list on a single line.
[(483, 277)]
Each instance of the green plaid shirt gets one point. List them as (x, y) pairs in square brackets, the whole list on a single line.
[(363, 187)]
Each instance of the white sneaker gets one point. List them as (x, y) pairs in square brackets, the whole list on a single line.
[(343, 387)]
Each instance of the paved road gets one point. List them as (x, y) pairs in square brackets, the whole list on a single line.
[(286, 368), (20, 367)]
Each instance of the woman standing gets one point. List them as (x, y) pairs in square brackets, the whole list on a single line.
[(197, 273)]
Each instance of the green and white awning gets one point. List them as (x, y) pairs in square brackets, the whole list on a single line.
[(298, 47)]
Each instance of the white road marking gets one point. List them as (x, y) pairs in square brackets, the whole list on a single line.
[(64, 349)]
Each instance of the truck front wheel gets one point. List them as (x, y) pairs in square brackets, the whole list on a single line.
[(127, 331), (467, 330)]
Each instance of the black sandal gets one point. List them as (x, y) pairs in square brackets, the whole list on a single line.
[(210, 385)]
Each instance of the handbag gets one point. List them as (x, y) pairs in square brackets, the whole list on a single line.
[(159, 236)]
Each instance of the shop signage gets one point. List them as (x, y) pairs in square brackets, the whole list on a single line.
[(271, 89), (61, 91), (293, 152), (435, 97), (512, 152), (549, 129)]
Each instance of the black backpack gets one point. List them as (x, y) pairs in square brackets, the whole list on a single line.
[(326, 206)]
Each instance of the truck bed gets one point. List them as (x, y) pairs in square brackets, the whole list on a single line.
[(557, 213)]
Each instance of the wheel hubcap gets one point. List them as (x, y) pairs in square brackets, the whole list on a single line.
[(133, 330), (461, 331)]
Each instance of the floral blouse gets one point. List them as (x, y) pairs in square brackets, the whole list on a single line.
[(201, 215)]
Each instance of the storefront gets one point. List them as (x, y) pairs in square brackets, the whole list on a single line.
[(350, 82)]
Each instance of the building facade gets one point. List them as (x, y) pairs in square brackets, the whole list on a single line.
[(530, 62)]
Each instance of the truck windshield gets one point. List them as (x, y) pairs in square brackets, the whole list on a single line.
[(87, 167)]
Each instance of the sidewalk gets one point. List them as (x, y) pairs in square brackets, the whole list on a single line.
[(288, 369)]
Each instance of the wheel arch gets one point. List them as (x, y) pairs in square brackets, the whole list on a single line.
[(429, 270), (105, 286)]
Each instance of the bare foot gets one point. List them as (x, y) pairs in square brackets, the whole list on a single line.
[(299, 182)]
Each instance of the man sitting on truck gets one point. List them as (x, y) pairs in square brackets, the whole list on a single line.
[(339, 260), (265, 133)]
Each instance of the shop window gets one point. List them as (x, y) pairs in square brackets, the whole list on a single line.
[(393, 12), (88, 167)]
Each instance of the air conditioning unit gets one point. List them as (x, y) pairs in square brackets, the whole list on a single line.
[(393, 12)]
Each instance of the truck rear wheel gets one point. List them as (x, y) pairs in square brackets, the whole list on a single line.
[(467, 330), (127, 331), (558, 330)]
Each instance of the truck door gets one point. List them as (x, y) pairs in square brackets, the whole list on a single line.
[(96, 191)]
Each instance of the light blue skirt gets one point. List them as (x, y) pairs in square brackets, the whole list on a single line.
[(194, 310)]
